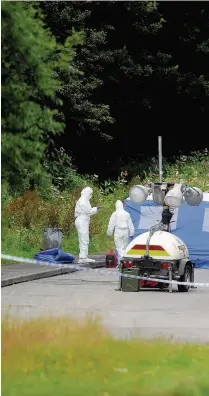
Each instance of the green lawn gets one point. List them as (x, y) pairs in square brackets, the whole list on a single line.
[(25, 243), (63, 357)]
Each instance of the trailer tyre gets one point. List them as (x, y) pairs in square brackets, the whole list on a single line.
[(163, 286), (186, 277)]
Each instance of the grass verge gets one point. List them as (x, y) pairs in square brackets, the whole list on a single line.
[(50, 356)]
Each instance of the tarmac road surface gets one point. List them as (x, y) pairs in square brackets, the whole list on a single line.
[(149, 313)]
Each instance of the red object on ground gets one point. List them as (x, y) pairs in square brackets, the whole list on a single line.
[(148, 283), (127, 264), (111, 259)]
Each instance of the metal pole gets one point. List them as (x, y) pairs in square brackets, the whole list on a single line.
[(120, 268), (160, 159), (192, 278), (170, 278)]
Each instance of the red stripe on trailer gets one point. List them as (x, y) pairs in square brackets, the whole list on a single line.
[(143, 247)]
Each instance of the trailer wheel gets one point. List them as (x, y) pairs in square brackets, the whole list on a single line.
[(162, 286), (186, 277)]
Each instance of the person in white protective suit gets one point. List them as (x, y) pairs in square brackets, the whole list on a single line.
[(121, 223), (83, 211)]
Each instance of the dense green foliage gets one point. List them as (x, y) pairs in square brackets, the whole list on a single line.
[(32, 109), (146, 61), (137, 68)]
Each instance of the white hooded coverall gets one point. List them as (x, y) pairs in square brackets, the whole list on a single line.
[(121, 223), (83, 211)]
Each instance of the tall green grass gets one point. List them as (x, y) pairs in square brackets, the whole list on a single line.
[(24, 217), (60, 356)]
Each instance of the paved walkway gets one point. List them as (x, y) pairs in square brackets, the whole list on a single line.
[(149, 313), (18, 273)]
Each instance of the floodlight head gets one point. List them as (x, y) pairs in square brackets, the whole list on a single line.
[(158, 195), (193, 196), (174, 197), (138, 194)]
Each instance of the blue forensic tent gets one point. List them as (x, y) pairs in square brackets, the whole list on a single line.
[(190, 223), (54, 256)]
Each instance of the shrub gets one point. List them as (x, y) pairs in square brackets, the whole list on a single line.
[(59, 165), (25, 211), (68, 203)]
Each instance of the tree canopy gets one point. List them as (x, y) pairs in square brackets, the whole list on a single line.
[(136, 70), (32, 62)]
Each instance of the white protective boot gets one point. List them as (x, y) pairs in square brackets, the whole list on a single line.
[(91, 260), (85, 261)]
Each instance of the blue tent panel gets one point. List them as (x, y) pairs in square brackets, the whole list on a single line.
[(191, 224)]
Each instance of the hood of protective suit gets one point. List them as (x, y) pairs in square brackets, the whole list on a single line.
[(119, 205), (87, 192)]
